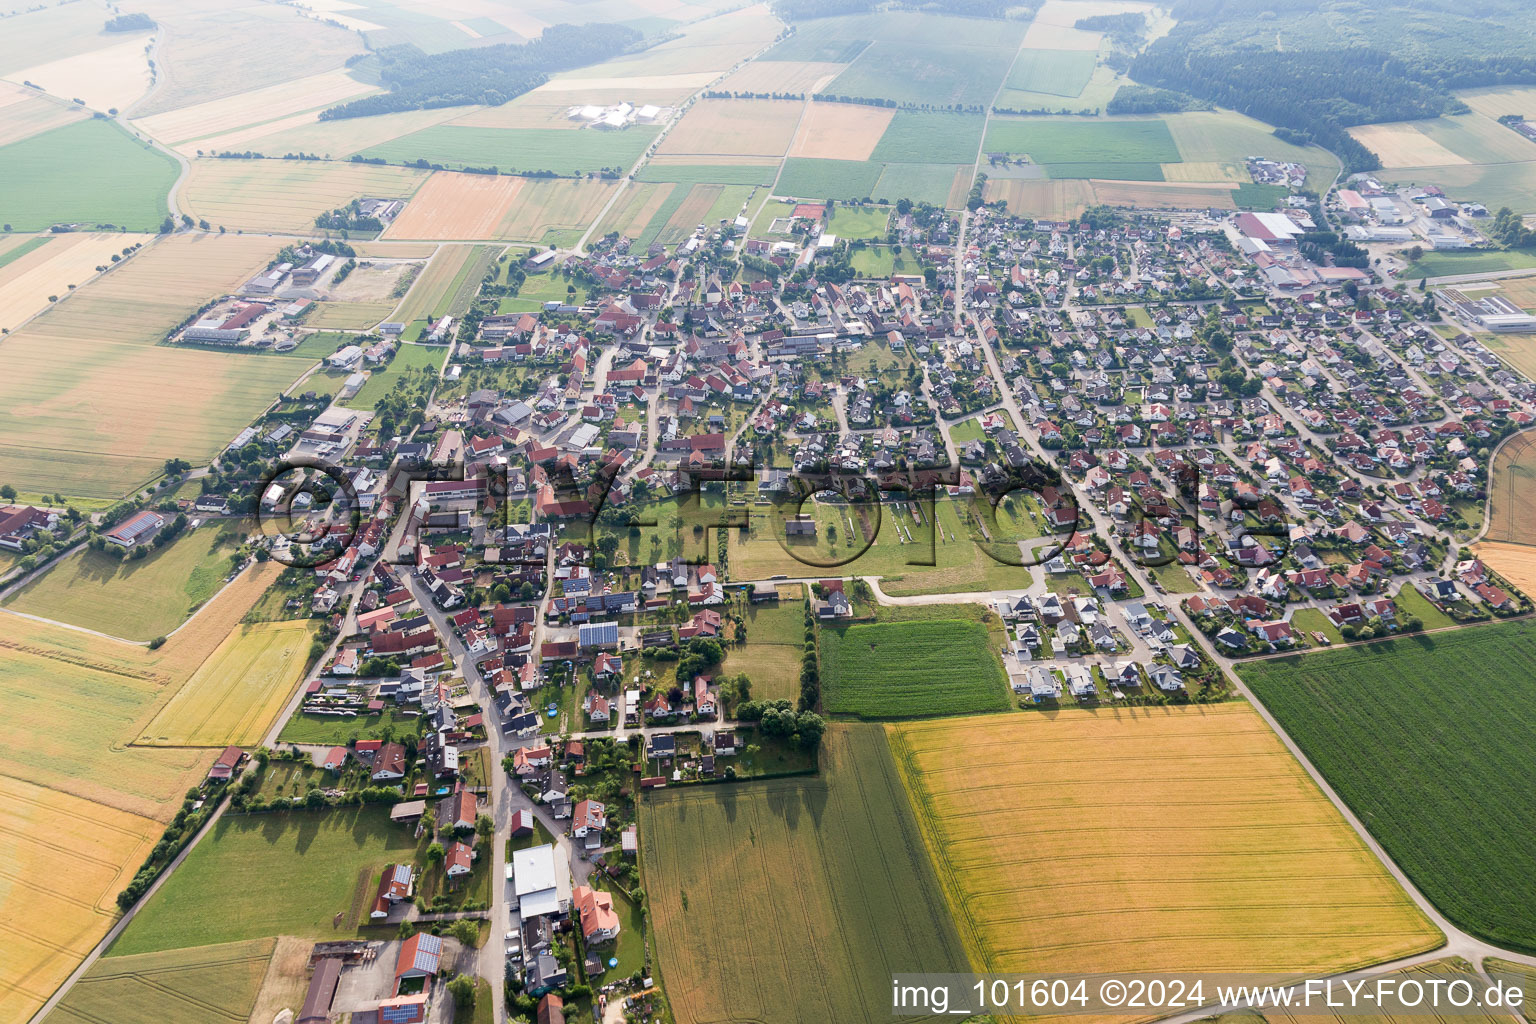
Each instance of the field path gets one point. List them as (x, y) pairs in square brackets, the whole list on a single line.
[(184, 165)]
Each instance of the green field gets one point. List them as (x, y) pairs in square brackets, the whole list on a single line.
[(879, 261), (1096, 142), (806, 178), (794, 899), (380, 382), (1450, 264), (286, 873), (1428, 740), (135, 600), (558, 150), (774, 649), (927, 138), (206, 983), (923, 183), (710, 174), (910, 669), (90, 172), (1110, 171), (1053, 72)]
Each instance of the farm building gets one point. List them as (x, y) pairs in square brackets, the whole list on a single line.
[(420, 957), (139, 528)]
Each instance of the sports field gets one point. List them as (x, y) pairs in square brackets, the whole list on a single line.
[(297, 871), (135, 600), (237, 693), (771, 901), (212, 983), (71, 414), (286, 195), (557, 150), (1401, 731), (49, 265), (910, 669), (57, 177), (1168, 839)]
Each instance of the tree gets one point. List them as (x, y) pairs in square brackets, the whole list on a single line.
[(7, 492), (435, 855), (484, 826)]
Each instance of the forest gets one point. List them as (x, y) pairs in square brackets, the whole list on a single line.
[(1317, 67), (489, 75)]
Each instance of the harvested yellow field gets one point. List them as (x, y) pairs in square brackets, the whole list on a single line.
[(1515, 562), (1512, 492), (1205, 172), (457, 206), (840, 131), (1183, 838), (1049, 200), (735, 127), (111, 78), (1161, 195), (237, 693), (334, 140), (1403, 145), (556, 204), (24, 114), (782, 76), (527, 111), (286, 195), (257, 107), (349, 316), (1053, 28), (52, 268), (385, 249), (678, 85), (631, 214), (1501, 101), (1445, 971), (65, 860)]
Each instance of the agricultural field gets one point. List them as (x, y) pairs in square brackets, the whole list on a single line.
[(52, 265), (286, 195), (238, 692), (1182, 838), (1368, 718), (915, 137), (478, 206), (53, 917), (1101, 87), (103, 80), (1091, 148), (210, 52), (1453, 264), (75, 422), (1054, 72), (219, 124), (828, 179), (769, 901), (298, 871), (1512, 491), (701, 50), (206, 983), (55, 177), (447, 286), (45, 34), (509, 150), (1160, 195), (135, 600), (911, 669), (1450, 969), (1496, 185), (1049, 200), (1500, 101), (721, 127), (840, 131), (1443, 141), (742, 171), (332, 140), (23, 113), (783, 76), (1515, 562)]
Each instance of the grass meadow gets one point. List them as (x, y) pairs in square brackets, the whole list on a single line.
[(557, 150), (135, 600), (1177, 838), (910, 669), (89, 172), (1424, 738), (381, 382), (774, 648), (775, 901), (1054, 72), (296, 871)]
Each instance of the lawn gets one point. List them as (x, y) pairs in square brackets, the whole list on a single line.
[(1313, 620), (380, 382), (1426, 738), (1155, 840), (911, 669), (90, 172), (1079, 141), (769, 901), (1450, 264), (859, 221), (562, 151), (880, 261), (296, 872), (203, 983), (302, 728), (136, 600)]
